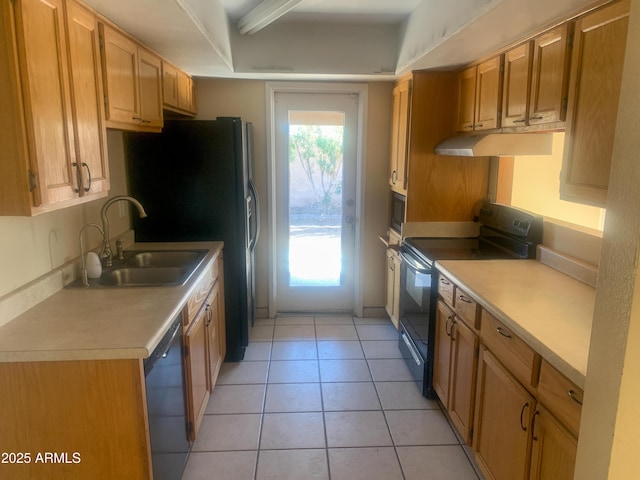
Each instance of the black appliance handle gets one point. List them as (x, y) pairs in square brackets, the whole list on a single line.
[(415, 264), (256, 214), (162, 350)]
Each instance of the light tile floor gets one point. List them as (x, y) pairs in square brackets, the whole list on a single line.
[(324, 398)]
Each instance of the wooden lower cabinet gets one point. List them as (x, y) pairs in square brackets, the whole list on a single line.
[(455, 364), (197, 378), (91, 413), (392, 304), (504, 410), (553, 452), (215, 335)]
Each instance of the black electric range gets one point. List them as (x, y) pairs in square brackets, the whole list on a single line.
[(505, 233)]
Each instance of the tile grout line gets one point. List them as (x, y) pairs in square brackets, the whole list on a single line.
[(264, 402), (324, 418)]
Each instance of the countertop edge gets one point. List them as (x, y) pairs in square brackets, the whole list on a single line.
[(144, 348), (563, 366)]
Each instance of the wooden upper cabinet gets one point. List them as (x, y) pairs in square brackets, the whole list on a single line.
[(150, 80), (88, 99), (479, 93), (177, 90), (517, 85), (488, 94), (45, 81), (400, 136), (169, 85), (549, 80), (52, 130), (466, 94), (132, 82), (594, 94)]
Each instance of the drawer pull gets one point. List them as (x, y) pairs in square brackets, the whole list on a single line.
[(574, 397), (464, 299), (446, 326), (522, 425), (503, 333), (444, 281)]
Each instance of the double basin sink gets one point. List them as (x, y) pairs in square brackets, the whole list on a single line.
[(150, 268)]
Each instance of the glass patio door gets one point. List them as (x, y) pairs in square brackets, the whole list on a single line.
[(315, 148)]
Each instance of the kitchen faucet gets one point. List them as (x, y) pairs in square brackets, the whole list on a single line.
[(106, 255)]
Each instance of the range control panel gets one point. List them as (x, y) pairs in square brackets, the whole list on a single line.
[(512, 221)]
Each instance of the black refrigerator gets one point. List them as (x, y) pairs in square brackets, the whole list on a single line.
[(195, 182)]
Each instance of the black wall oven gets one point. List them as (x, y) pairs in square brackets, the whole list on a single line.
[(506, 233)]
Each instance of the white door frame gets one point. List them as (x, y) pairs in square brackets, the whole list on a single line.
[(362, 90)]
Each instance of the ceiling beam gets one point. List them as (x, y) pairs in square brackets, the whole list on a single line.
[(265, 13)]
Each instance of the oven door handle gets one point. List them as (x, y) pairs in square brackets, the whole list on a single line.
[(414, 264), (411, 349)]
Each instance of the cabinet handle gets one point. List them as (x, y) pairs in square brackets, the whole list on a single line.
[(534, 437), (464, 299), (444, 281), (139, 119), (479, 125), (536, 118), (503, 333), (519, 121), (573, 396), (145, 121), (446, 326), (209, 315), (75, 188), (88, 187), (522, 425), (394, 177)]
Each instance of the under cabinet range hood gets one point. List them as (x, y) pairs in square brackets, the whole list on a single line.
[(497, 145)]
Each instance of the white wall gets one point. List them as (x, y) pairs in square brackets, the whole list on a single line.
[(246, 99), (33, 246), (610, 428)]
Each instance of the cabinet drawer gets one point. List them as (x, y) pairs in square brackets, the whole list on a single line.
[(561, 396), (202, 289), (445, 289), (466, 308), (516, 355)]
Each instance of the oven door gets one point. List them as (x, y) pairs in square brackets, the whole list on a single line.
[(416, 327)]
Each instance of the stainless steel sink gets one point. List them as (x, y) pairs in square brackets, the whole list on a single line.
[(149, 268), (144, 277), (165, 258)]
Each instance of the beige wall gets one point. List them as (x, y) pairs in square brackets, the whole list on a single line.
[(246, 99), (33, 246), (610, 428)]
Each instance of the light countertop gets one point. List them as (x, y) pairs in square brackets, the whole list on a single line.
[(549, 310), (101, 323)]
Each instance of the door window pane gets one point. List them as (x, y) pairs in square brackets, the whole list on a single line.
[(316, 141)]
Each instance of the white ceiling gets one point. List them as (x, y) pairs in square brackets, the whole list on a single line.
[(342, 39)]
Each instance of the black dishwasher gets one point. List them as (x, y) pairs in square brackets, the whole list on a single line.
[(166, 408)]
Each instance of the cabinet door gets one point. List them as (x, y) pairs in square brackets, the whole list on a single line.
[(400, 136), (442, 352), (222, 319), (553, 452), (42, 47), (169, 85), (86, 86), (488, 94), (466, 95), (464, 363), (150, 77), (596, 73), (197, 372), (517, 84), (120, 71), (185, 92), (502, 419), (549, 76), (214, 356)]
